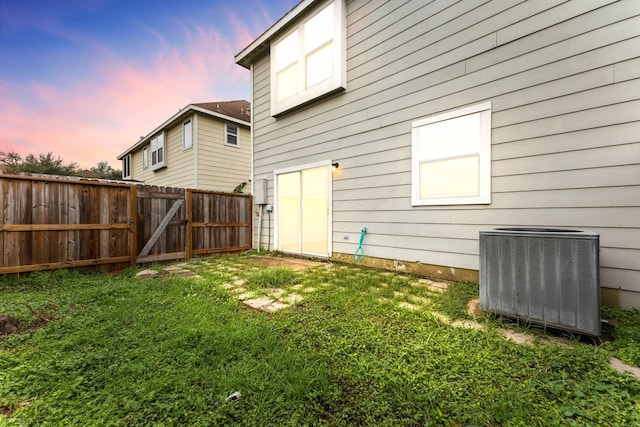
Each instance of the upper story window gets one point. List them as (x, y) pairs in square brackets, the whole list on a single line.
[(187, 134), (145, 157), (451, 157), (310, 60), (126, 167), (157, 151), (231, 135)]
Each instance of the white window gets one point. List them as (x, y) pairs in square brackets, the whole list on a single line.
[(451, 157), (187, 134), (126, 167), (231, 135), (157, 151), (309, 61), (145, 157)]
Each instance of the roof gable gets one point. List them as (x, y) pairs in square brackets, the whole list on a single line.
[(234, 111), (240, 110)]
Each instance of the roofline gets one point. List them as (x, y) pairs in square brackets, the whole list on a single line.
[(244, 57), (175, 118)]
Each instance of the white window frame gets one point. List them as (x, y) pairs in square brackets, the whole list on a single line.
[(339, 75), (483, 151), (187, 134), (228, 134), (158, 151), (126, 167), (145, 157)]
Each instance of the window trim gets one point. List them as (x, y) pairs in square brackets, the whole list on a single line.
[(189, 121), (484, 153), (145, 157), (226, 135), (336, 83), (126, 167), (156, 164)]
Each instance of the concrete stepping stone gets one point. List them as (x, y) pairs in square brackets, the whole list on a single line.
[(258, 303), (622, 367), (467, 324), (274, 306), (147, 273), (292, 298), (275, 293), (419, 300), (407, 305), (438, 286), (246, 295)]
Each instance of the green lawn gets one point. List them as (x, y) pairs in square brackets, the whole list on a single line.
[(362, 347)]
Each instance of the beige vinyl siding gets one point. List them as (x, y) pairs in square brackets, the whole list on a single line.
[(178, 170), (564, 82), (222, 167)]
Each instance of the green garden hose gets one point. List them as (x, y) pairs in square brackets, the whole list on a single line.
[(360, 257)]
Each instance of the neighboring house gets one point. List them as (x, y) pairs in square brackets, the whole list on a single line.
[(203, 146), (447, 118)]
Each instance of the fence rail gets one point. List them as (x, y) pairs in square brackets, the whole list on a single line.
[(49, 223)]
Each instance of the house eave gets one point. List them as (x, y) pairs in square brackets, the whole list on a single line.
[(245, 57), (176, 117)]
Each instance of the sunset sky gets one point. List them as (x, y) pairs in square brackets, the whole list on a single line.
[(86, 78)]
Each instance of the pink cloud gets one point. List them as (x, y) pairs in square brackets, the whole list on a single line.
[(97, 117)]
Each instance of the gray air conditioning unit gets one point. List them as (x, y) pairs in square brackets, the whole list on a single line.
[(543, 275)]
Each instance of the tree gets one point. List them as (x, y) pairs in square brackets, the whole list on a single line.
[(104, 170), (11, 160), (49, 164), (43, 163)]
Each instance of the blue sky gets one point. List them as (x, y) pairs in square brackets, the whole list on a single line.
[(86, 78)]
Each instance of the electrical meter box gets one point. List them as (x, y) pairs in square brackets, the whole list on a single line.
[(260, 192)]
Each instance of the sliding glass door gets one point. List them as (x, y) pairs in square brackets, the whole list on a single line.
[(302, 210)]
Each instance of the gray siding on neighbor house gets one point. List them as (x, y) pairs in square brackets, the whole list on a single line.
[(563, 78)]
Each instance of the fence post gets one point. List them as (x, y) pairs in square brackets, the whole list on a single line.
[(133, 222), (188, 238)]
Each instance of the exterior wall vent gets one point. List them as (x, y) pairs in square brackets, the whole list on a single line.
[(544, 275)]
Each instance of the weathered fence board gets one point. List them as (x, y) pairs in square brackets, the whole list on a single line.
[(58, 223), (161, 221), (220, 222), (48, 223)]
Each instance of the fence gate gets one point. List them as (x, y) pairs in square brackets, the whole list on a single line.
[(162, 221), (174, 223)]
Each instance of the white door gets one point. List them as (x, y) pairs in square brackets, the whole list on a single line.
[(302, 210)]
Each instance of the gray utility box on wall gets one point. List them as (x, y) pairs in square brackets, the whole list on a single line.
[(544, 275)]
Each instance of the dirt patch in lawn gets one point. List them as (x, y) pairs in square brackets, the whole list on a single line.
[(10, 325), (7, 411), (292, 263)]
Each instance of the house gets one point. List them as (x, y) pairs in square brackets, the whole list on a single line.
[(203, 146), (447, 118)]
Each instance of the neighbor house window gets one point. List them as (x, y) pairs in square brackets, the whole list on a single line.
[(187, 134), (309, 61), (451, 157), (157, 151), (145, 157), (231, 135), (126, 167)]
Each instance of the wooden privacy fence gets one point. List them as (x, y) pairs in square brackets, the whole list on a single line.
[(49, 223)]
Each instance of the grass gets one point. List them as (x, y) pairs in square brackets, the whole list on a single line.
[(170, 351)]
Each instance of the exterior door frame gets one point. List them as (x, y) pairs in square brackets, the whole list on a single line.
[(300, 168)]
